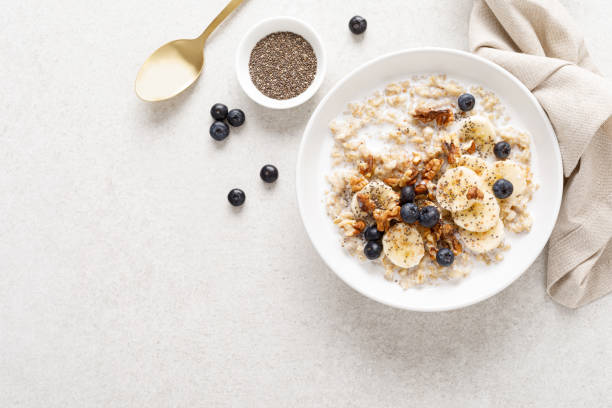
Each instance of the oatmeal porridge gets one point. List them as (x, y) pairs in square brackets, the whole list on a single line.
[(428, 177)]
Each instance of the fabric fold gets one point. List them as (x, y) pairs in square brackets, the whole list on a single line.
[(537, 41)]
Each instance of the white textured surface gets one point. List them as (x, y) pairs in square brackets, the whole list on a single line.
[(127, 280)]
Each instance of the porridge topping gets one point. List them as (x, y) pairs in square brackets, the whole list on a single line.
[(502, 188), (453, 186), (366, 168), (452, 152), (474, 193), (365, 203), (481, 216), (442, 116), (466, 102), (384, 217), (403, 245), (469, 147), (502, 150), (357, 183), (431, 169)]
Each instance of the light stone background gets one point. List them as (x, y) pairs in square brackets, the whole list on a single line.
[(127, 280)]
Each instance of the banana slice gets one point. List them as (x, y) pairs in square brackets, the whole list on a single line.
[(403, 245), (481, 216), (480, 166), (481, 242), (511, 171), (479, 129), (380, 193), (356, 208), (452, 188)]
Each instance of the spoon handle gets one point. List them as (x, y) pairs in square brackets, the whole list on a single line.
[(224, 13)]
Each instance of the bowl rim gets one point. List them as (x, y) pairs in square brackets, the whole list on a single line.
[(279, 104), (300, 159)]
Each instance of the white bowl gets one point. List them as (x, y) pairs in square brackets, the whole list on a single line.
[(314, 163), (258, 32)]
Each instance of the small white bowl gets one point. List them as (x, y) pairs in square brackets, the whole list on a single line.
[(259, 31)]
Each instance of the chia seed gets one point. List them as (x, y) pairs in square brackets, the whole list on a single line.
[(282, 65)]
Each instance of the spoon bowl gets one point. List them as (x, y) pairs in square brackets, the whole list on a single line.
[(173, 67), (170, 70)]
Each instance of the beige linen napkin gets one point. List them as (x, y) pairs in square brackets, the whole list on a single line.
[(537, 41)]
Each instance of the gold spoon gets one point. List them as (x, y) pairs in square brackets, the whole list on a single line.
[(175, 66)]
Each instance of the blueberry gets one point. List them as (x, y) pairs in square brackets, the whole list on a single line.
[(235, 117), (372, 233), (219, 130), (503, 188), (358, 25), (502, 150), (429, 216), (269, 173), (409, 213), (236, 197), (372, 249), (218, 111), (466, 102), (445, 257), (407, 195)]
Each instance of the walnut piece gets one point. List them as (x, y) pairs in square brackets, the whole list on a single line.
[(431, 241), (432, 251), (474, 193), (409, 177), (392, 181), (420, 188), (432, 167), (383, 217), (446, 231), (359, 225), (366, 167), (469, 147), (442, 236), (357, 183), (365, 203), (436, 232), (455, 245), (442, 116), (446, 238), (452, 152)]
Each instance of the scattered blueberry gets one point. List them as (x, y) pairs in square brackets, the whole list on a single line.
[(466, 102), (409, 213), (218, 111), (407, 195), (236, 197), (372, 233), (429, 216), (502, 150), (358, 25), (372, 249), (503, 188), (219, 130), (269, 173), (235, 117), (445, 257)]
